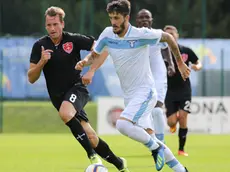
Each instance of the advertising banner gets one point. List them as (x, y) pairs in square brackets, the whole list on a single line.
[(209, 115)]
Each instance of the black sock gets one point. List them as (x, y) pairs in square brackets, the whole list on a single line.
[(79, 133), (182, 137), (105, 152)]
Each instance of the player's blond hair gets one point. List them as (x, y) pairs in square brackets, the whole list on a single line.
[(53, 11)]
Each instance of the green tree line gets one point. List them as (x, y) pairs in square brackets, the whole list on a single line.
[(193, 18)]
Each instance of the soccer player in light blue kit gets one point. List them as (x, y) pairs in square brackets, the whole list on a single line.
[(159, 71), (129, 48)]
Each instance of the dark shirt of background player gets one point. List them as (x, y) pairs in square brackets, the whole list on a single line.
[(178, 97)]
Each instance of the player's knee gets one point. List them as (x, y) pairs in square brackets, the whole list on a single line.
[(171, 123), (66, 115), (121, 126)]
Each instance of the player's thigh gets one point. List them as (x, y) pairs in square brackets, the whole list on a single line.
[(65, 109), (183, 116), (139, 109), (78, 96)]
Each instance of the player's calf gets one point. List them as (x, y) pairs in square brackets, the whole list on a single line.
[(158, 122), (139, 134), (80, 135), (106, 153), (92, 135)]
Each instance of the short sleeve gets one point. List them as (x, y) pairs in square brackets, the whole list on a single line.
[(83, 42), (151, 34), (101, 42), (35, 55), (192, 56)]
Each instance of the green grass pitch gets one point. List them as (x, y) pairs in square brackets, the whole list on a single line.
[(62, 153)]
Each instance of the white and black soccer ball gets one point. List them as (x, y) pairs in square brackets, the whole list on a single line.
[(96, 168)]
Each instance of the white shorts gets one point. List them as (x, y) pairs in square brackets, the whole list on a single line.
[(161, 88), (139, 108)]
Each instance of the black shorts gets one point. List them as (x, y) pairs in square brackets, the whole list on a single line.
[(78, 96), (176, 101)]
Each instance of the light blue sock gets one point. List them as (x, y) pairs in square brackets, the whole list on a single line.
[(159, 122)]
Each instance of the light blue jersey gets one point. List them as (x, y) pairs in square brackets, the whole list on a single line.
[(130, 56)]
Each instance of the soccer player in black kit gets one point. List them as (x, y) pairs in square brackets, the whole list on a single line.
[(178, 96), (57, 54)]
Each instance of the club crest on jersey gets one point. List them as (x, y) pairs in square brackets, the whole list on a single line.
[(184, 57), (132, 43), (68, 47)]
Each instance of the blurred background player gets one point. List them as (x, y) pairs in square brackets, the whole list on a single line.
[(178, 97), (159, 71)]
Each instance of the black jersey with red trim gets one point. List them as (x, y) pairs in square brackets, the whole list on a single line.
[(59, 71)]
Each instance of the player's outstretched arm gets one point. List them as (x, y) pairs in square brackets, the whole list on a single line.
[(93, 59), (183, 68), (167, 56)]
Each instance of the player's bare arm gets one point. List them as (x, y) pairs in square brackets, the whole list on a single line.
[(88, 60), (98, 61), (167, 56), (183, 68), (197, 66), (34, 71), (93, 59)]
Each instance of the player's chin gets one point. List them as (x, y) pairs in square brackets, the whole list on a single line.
[(53, 35), (116, 31)]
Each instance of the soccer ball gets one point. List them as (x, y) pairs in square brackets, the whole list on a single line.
[(96, 168)]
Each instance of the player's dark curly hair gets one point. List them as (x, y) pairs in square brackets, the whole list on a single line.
[(119, 6)]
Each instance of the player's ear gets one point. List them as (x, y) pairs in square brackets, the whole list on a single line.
[(127, 17)]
